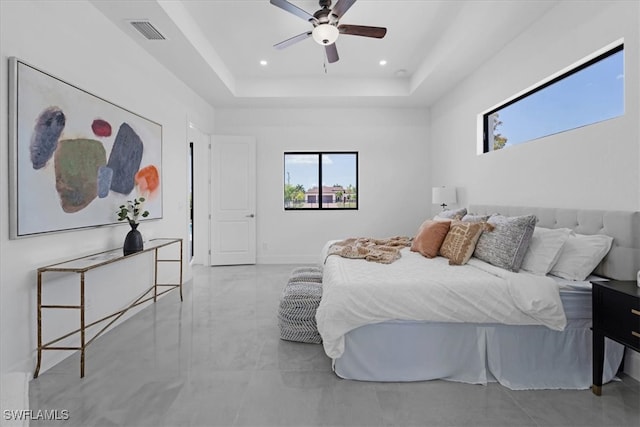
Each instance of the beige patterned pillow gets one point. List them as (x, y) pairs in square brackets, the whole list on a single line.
[(461, 241)]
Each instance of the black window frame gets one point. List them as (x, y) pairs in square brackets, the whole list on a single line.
[(320, 154), (487, 134)]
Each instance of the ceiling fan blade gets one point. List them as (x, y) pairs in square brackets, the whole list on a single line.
[(292, 40), (341, 7), (332, 53), (291, 8), (363, 30)]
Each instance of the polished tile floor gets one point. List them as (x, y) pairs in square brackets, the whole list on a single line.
[(216, 360)]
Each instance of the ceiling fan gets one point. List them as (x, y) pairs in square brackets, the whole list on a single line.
[(326, 27)]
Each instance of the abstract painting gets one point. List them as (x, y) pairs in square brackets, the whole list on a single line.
[(75, 156)]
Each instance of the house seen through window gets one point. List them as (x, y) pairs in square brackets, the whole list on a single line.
[(320, 180), (589, 93)]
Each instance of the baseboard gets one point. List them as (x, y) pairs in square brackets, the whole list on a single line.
[(632, 364)]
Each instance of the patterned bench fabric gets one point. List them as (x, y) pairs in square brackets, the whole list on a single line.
[(297, 313), (311, 268), (306, 274)]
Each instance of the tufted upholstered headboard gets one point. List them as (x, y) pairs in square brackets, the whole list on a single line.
[(623, 260)]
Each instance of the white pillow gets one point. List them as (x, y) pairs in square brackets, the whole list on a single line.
[(544, 249), (580, 255)]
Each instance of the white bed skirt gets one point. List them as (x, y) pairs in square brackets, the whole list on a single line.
[(518, 357)]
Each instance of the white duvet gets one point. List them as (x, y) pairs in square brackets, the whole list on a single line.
[(357, 292)]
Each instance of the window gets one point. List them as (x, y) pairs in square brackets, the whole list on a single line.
[(589, 93), (327, 180)]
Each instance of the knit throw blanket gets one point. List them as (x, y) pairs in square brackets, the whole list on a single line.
[(384, 251)]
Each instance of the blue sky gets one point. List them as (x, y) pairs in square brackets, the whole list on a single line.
[(303, 169), (593, 94)]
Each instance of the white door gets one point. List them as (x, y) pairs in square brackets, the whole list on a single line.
[(233, 200)]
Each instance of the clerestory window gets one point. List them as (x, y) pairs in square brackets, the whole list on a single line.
[(588, 93)]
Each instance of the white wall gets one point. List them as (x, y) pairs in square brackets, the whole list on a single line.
[(595, 167), (76, 43), (592, 167), (394, 190)]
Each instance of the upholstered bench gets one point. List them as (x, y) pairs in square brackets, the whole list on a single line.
[(298, 305), (306, 274)]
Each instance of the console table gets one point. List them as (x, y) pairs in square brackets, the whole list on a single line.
[(89, 262)]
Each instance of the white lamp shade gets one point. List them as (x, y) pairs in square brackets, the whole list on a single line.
[(325, 34), (443, 195)]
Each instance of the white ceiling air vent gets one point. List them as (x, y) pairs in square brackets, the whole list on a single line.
[(148, 30)]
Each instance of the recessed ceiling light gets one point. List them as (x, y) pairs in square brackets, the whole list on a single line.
[(383, 62), (263, 63)]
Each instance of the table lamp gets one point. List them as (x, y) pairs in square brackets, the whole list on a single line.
[(443, 196)]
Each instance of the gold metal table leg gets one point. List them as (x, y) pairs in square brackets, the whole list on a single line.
[(37, 371), (82, 337), (180, 270), (155, 276)]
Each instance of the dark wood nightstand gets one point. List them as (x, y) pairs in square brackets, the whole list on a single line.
[(616, 315)]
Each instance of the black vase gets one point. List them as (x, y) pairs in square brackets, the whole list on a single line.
[(133, 241)]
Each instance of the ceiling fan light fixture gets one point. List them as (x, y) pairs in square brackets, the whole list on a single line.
[(325, 34)]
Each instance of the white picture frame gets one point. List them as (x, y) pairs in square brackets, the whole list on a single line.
[(75, 157)]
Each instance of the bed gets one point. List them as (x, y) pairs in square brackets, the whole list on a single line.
[(379, 322)]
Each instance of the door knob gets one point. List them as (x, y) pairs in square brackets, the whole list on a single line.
[(250, 216)]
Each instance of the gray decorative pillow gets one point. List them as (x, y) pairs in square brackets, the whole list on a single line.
[(507, 244), (471, 217), (452, 214)]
